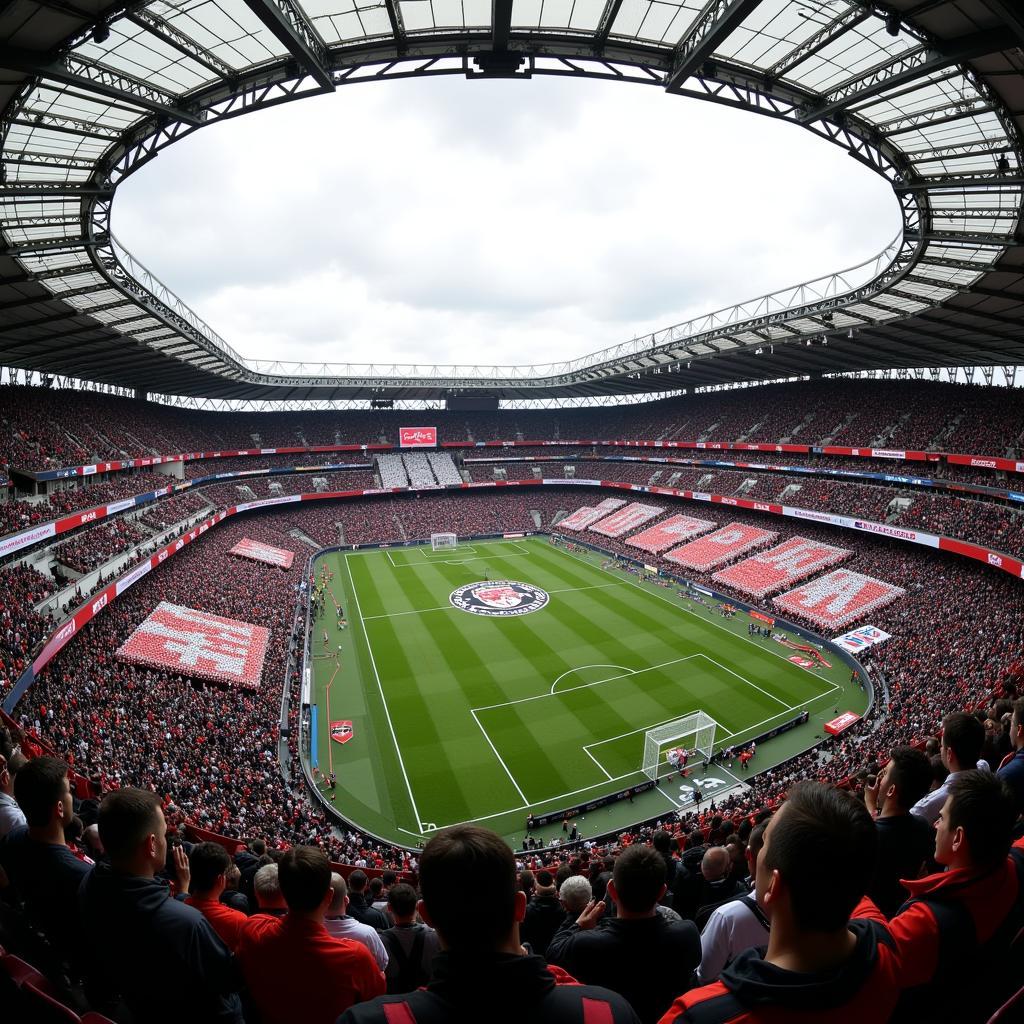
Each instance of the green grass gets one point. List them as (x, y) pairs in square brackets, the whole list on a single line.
[(461, 717)]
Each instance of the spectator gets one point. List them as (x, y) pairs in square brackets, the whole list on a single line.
[(343, 926), (574, 895), (638, 953), (736, 925), (266, 886), (209, 864), (231, 897), (544, 914), (962, 739), (1012, 770), (36, 857), (965, 917), (819, 966), (139, 937), (359, 906), (471, 895), (294, 969), (411, 945), (11, 815), (905, 842)]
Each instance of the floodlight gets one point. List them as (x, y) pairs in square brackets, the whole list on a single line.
[(892, 23), (100, 32)]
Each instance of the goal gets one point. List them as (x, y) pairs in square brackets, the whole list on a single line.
[(697, 728), (443, 541)]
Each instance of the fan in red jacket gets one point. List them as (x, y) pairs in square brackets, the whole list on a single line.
[(960, 923), (820, 967)]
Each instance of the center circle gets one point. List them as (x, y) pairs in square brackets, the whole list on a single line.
[(499, 597)]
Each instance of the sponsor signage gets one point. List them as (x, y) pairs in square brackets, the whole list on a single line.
[(861, 638), (842, 723), (417, 437), (767, 619), (342, 731), (499, 598), (196, 643)]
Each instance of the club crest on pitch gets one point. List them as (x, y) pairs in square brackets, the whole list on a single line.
[(499, 597)]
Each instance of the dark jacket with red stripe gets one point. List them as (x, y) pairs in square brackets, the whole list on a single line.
[(753, 991), (518, 989), (959, 924)]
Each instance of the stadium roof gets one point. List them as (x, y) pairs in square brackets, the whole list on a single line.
[(928, 93)]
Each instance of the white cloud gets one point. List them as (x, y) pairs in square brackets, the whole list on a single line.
[(445, 221)]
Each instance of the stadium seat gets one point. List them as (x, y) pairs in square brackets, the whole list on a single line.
[(19, 972), (1011, 1011), (43, 1008)]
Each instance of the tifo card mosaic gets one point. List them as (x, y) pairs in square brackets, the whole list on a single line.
[(199, 644)]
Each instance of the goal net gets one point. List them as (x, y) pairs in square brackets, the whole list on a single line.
[(443, 541), (694, 732)]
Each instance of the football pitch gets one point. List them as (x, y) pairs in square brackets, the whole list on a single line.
[(461, 716)]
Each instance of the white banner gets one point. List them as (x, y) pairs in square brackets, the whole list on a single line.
[(861, 638)]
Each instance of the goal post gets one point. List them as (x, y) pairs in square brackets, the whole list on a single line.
[(696, 728), (443, 541)]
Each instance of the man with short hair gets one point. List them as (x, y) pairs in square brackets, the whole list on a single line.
[(736, 925), (966, 916), (963, 736), (819, 966), (544, 914), (1012, 770), (482, 964), (140, 937), (36, 857), (638, 953), (411, 946), (574, 895), (294, 969), (11, 815), (208, 864), (905, 841), (266, 887), (359, 906), (342, 925)]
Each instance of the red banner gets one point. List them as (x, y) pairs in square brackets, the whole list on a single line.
[(259, 552), (761, 618), (838, 598), (199, 644), (720, 546), (417, 437)]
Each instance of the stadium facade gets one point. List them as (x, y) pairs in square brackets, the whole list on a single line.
[(929, 95)]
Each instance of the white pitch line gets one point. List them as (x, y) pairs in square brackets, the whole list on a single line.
[(686, 611), (670, 799), (501, 760), (744, 679), (607, 774), (383, 699), (584, 686), (573, 671)]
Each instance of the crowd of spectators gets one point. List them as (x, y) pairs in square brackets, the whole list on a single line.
[(212, 755), (95, 547), (890, 414), (21, 627)]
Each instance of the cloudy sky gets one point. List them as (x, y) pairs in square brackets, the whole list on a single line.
[(499, 222)]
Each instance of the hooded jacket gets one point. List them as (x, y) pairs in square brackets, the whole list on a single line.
[(496, 987), (753, 991), (161, 955)]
